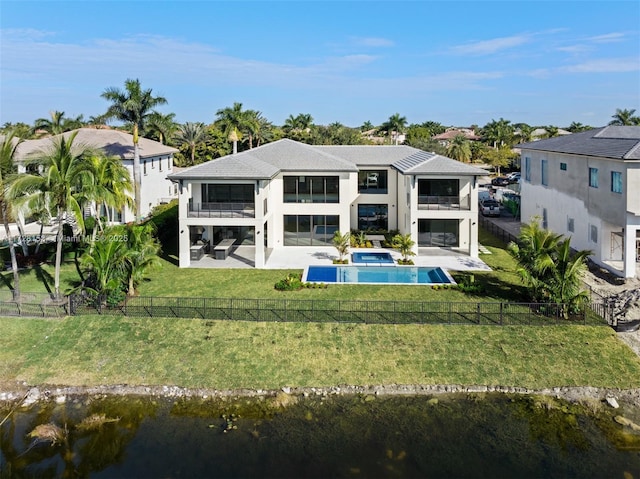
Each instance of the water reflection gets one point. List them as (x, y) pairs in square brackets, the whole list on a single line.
[(355, 436)]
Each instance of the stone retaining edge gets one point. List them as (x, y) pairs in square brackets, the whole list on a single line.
[(29, 395)]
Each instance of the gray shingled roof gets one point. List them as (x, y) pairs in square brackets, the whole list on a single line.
[(422, 163), (112, 142), (617, 142), (370, 155), (268, 160)]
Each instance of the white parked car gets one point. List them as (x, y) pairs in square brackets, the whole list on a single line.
[(489, 207)]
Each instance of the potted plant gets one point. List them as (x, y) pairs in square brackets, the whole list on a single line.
[(404, 244), (341, 242)]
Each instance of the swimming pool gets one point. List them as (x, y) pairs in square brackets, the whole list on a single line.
[(372, 257), (377, 275)]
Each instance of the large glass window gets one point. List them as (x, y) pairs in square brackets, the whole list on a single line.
[(527, 168), (311, 189), (223, 193), (443, 191), (441, 233), (544, 167), (373, 181), (373, 217), (310, 230), (593, 177), (616, 181)]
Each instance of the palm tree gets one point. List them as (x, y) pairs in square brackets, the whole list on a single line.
[(191, 134), (134, 106), (404, 244), (7, 166), (498, 132), (624, 118), (143, 250), (342, 242), (577, 127), (58, 123), (459, 149), (547, 265), (233, 121), (552, 131), (264, 133), (366, 126), (67, 169), (523, 132), (395, 126), (162, 126), (111, 187), (105, 265), (300, 123)]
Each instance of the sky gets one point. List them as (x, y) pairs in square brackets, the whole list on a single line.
[(458, 63)]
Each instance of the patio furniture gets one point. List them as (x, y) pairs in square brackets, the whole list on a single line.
[(223, 248), (197, 251)]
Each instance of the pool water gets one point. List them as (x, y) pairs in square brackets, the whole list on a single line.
[(377, 275), (372, 257)]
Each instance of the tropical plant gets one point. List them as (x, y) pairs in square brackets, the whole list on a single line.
[(67, 169), (133, 105), (58, 123), (105, 264), (548, 267), (143, 252), (303, 122), (523, 132), (459, 149), (233, 121), (498, 133), (577, 127), (111, 187), (342, 242), (7, 167), (395, 126), (551, 131), (366, 126), (162, 127), (404, 244), (624, 118), (191, 134)]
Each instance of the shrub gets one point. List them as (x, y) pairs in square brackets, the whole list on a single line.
[(293, 282)]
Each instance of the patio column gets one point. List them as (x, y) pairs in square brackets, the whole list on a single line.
[(259, 254), (629, 257)]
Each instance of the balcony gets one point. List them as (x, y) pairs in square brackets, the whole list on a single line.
[(222, 210), (444, 202)]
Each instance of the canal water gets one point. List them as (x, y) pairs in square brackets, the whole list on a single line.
[(455, 436)]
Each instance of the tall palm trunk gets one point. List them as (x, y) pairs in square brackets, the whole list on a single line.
[(40, 237), (136, 173), (23, 241), (12, 251), (58, 254)]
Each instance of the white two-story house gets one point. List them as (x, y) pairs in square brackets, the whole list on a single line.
[(587, 186), (287, 194), (156, 162)]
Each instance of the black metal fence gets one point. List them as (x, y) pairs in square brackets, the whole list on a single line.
[(42, 305), (341, 311)]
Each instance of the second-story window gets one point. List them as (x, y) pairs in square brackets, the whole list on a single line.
[(144, 166), (593, 177), (311, 189), (527, 168), (544, 167), (616, 181)]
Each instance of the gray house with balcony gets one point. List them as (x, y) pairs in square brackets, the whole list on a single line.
[(288, 194), (587, 186)]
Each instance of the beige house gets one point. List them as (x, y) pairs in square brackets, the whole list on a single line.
[(587, 186), (156, 162), (287, 194)]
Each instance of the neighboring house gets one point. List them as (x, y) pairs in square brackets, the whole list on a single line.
[(444, 139), (287, 194), (587, 186), (156, 161)]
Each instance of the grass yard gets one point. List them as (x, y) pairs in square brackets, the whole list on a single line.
[(92, 350), (501, 284)]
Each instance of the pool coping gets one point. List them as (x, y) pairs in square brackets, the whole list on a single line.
[(305, 274)]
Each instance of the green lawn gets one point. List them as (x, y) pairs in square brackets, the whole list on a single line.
[(501, 284), (91, 350)]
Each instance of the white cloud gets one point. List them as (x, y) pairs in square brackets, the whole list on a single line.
[(605, 65), (372, 42), (607, 37), (487, 47)]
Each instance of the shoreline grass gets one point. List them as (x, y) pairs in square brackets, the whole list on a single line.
[(103, 350)]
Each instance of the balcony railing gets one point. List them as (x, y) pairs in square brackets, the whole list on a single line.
[(222, 210), (444, 202)]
